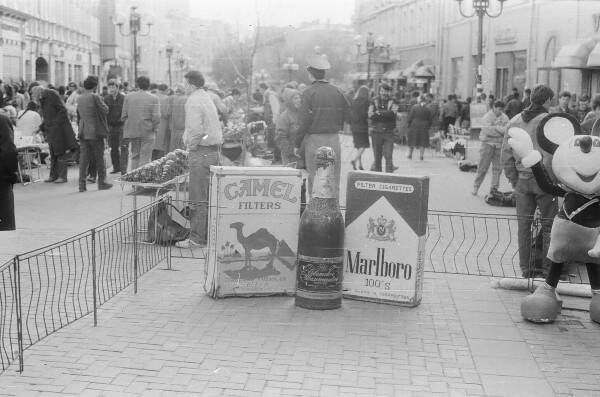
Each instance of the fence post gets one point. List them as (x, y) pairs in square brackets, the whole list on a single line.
[(135, 250), (170, 245), (18, 310), (94, 281)]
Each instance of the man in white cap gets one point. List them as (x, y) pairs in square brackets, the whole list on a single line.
[(322, 113)]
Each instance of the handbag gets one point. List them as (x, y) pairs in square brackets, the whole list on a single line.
[(107, 158)]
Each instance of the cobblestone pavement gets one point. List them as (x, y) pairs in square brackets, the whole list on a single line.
[(465, 339)]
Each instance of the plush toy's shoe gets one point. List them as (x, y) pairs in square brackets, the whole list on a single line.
[(542, 306), (595, 306)]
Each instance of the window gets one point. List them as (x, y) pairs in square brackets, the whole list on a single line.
[(458, 78)]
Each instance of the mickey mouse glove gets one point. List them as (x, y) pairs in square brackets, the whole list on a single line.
[(521, 144)]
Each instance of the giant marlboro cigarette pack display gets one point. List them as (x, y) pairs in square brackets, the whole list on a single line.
[(386, 223), (254, 216)]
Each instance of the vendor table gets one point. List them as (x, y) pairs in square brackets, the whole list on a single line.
[(140, 188), (28, 154), (158, 188)]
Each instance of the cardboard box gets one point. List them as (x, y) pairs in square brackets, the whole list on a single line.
[(254, 217), (386, 224)]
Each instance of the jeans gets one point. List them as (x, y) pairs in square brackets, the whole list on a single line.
[(58, 164), (92, 149), (140, 151), (489, 154), (200, 160), (529, 196), (115, 142), (383, 146)]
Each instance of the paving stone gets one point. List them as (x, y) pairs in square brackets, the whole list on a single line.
[(512, 386)]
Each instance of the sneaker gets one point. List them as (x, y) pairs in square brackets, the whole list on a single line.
[(49, 180), (104, 186), (91, 180), (60, 180), (115, 171), (190, 244)]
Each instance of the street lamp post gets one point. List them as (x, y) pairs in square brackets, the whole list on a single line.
[(135, 29), (169, 51), (181, 61), (480, 8), (290, 66), (371, 47)]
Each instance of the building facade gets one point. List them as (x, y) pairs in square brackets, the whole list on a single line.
[(407, 46), (531, 42), (52, 40), (554, 42)]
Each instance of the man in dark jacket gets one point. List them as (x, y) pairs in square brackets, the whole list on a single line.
[(514, 105), (118, 148), (563, 104), (382, 116), (323, 111), (8, 174), (57, 130), (93, 128), (528, 194)]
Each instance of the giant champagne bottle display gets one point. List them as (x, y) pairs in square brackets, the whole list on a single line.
[(321, 241)]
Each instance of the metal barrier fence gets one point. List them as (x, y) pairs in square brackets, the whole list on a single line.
[(44, 290), (472, 244), (48, 288)]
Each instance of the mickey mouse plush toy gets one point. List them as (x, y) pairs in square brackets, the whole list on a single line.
[(575, 235)]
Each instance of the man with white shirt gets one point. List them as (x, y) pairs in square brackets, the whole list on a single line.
[(203, 137)]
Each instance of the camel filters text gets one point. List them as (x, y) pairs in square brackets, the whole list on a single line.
[(254, 215), (386, 223)]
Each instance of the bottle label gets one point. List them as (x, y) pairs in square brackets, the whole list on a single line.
[(320, 274)]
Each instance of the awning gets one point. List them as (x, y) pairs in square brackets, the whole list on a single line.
[(574, 55), (425, 71), (394, 75), (594, 57)]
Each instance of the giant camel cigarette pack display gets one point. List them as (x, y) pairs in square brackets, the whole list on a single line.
[(254, 216), (386, 223)]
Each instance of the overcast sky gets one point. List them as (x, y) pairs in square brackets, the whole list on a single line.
[(274, 12)]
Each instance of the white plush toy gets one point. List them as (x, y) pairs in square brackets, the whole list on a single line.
[(575, 235)]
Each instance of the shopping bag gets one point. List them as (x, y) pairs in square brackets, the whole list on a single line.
[(163, 229), (107, 159)]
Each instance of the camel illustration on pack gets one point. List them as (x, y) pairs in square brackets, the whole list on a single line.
[(260, 240)]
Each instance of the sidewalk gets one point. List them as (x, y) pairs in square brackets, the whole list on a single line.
[(465, 339)]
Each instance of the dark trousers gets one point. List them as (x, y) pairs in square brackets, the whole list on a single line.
[(115, 141), (92, 172), (529, 196), (91, 149), (383, 146), (124, 155), (447, 121), (58, 165)]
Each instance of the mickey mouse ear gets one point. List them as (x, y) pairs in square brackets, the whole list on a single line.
[(555, 129)]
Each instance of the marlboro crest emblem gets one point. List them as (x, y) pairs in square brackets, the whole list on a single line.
[(386, 219), (383, 230)]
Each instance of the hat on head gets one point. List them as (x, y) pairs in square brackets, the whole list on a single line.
[(318, 61)]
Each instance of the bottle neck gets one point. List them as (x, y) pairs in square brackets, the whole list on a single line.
[(324, 182)]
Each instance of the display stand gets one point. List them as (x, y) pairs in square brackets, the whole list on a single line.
[(140, 188)]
